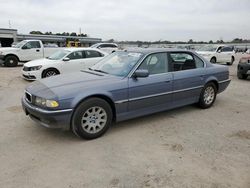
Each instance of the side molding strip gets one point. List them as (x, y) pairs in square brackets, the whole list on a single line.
[(156, 95)]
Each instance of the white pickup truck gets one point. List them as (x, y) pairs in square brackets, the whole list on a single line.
[(218, 54), (24, 51)]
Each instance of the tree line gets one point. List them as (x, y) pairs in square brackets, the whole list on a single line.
[(60, 34)]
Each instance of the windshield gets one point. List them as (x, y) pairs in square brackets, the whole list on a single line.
[(95, 45), (118, 63), (58, 55), (20, 44), (208, 48)]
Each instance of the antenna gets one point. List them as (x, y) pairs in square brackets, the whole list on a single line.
[(9, 25)]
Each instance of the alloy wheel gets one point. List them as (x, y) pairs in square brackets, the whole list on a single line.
[(209, 95), (94, 119)]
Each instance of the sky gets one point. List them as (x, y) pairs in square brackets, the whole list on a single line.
[(147, 20)]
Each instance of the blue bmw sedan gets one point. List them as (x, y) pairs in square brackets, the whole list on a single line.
[(124, 85)]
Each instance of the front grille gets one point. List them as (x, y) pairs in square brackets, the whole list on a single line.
[(28, 97), (29, 76)]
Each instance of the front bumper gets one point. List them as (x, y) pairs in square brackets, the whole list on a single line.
[(31, 75), (243, 68), (48, 118), (2, 59)]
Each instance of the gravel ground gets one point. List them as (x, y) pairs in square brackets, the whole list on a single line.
[(185, 147)]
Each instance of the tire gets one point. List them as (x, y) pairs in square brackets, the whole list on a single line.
[(213, 60), (49, 72), (208, 95), (232, 61), (11, 61), (92, 118), (242, 76)]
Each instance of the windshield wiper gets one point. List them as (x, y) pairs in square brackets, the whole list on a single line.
[(97, 70)]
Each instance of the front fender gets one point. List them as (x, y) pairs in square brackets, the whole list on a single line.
[(83, 96)]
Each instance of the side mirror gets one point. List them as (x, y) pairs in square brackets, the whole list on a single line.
[(141, 73), (66, 59), (219, 51)]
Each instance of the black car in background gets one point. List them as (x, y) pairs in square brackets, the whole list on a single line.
[(244, 68)]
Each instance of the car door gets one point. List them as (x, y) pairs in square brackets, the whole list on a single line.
[(226, 54), (188, 77), (152, 93), (91, 58), (74, 62), (30, 51)]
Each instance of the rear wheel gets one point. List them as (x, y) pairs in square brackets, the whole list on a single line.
[(208, 95), (92, 118), (11, 61), (213, 60), (49, 72)]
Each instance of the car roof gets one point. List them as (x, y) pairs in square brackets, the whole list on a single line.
[(72, 49), (156, 50)]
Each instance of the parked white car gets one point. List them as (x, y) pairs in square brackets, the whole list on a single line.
[(24, 51), (63, 61), (106, 47), (218, 54)]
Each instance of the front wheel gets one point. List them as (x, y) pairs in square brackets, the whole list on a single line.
[(11, 61), (92, 118), (49, 72), (213, 60), (208, 95)]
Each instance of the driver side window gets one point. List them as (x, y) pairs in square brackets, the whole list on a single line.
[(155, 63), (32, 44)]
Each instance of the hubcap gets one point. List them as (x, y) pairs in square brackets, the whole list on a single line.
[(11, 61), (94, 119), (209, 95), (50, 73)]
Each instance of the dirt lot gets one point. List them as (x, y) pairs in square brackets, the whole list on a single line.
[(186, 147)]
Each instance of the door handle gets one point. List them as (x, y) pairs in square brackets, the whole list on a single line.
[(167, 81), (38, 50)]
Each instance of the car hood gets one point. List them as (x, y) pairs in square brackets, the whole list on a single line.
[(38, 62), (8, 49), (63, 86)]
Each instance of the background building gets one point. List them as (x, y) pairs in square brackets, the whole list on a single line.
[(10, 36)]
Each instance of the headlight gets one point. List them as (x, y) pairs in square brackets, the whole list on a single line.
[(35, 68), (46, 103), (1, 53)]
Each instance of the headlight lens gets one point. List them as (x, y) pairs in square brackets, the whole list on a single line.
[(46, 103), (35, 68), (51, 103)]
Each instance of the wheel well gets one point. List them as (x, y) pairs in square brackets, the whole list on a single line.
[(8, 55), (213, 58), (104, 97), (215, 83), (58, 72)]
